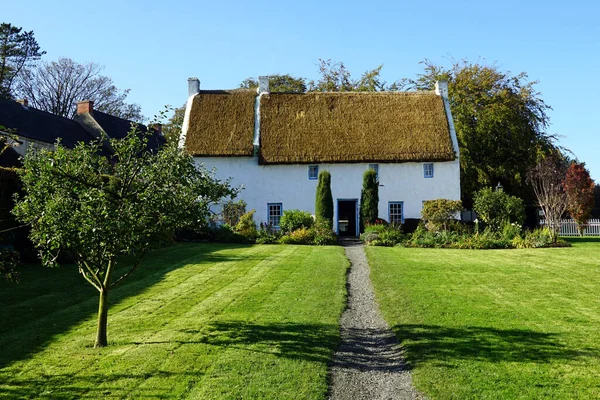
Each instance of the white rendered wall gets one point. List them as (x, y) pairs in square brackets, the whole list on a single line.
[(289, 184)]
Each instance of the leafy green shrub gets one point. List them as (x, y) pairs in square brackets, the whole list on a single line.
[(495, 207), (510, 231), (292, 220), (267, 234), (323, 234), (299, 236), (438, 214), (9, 261), (226, 234), (233, 211), (378, 226), (369, 199), (391, 236), (246, 226), (369, 237), (324, 200), (541, 237), (382, 235)]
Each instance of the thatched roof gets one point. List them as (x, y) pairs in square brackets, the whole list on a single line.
[(354, 127), (321, 127), (221, 123)]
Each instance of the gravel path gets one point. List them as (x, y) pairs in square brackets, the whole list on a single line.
[(369, 363)]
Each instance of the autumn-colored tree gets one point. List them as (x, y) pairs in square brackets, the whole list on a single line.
[(579, 187)]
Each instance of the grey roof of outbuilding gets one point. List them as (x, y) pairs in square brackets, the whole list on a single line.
[(40, 125)]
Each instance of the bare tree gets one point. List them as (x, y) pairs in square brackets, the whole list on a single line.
[(546, 178), (57, 86)]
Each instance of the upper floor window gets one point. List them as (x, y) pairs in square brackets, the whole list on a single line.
[(313, 172), (274, 212), (375, 167), (428, 170)]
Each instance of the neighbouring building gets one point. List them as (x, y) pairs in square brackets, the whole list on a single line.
[(42, 129), (275, 145)]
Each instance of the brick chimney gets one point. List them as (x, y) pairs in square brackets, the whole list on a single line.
[(86, 106), (263, 84), (24, 102), (193, 86)]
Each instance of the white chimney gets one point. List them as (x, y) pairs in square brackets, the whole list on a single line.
[(263, 84), (441, 88), (193, 86)]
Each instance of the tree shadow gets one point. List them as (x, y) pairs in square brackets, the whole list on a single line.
[(298, 341), (91, 384), (438, 344), (32, 313)]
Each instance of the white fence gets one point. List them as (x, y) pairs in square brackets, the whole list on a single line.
[(568, 227)]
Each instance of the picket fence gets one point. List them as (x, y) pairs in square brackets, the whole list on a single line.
[(568, 227)]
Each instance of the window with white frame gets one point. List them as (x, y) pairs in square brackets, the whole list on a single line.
[(375, 167), (395, 212), (274, 213), (313, 172), (428, 170)]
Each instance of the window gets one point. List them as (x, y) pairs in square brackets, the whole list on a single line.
[(313, 172), (375, 167), (274, 213), (428, 170), (395, 212)]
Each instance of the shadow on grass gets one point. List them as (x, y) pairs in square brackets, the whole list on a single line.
[(50, 301), (309, 342), (438, 344), (94, 385), (582, 239)]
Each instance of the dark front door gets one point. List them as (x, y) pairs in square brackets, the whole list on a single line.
[(346, 217)]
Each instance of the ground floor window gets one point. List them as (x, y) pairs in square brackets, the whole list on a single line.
[(274, 213), (395, 212)]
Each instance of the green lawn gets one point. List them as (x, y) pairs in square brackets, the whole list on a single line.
[(496, 324), (197, 321)]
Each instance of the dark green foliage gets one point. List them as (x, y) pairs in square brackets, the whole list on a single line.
[(509, 238), (496, 207), (279, 84), (233, 211), (438, 214), (319, 234), (324, 201), (18, 49), (9, 261), (500, 121), (292, 220), (96, 208), (369, 199), (267, 234), (382, 235), (246, 226)]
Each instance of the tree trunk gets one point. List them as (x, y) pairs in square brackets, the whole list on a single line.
[(102, 319)]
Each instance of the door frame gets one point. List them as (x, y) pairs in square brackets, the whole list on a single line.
[(337, 215)]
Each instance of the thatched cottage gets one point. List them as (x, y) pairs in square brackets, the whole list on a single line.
[(275, 145)]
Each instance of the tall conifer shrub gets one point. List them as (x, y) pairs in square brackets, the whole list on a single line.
[(369, 199), (324, 201)]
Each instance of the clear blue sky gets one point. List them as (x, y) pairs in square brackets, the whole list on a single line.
[(153, 47)]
